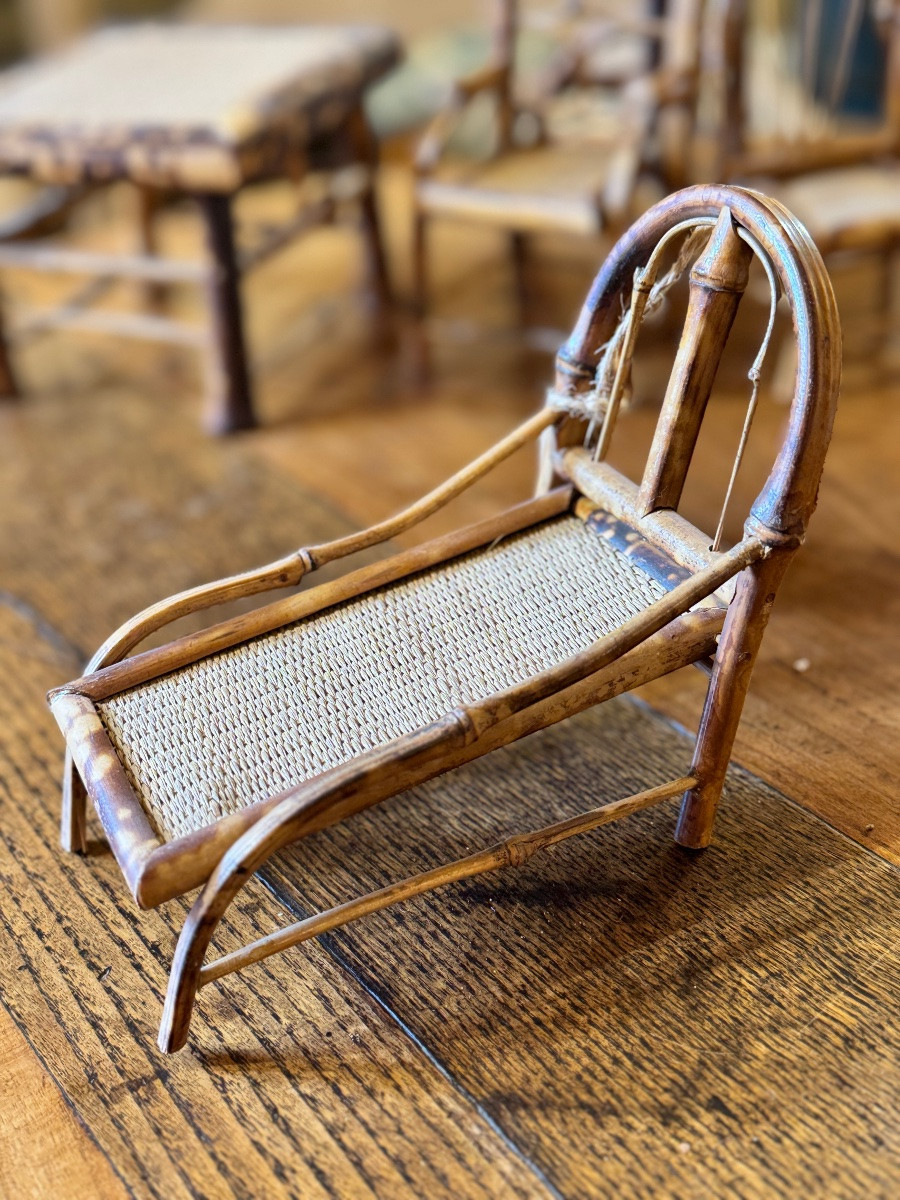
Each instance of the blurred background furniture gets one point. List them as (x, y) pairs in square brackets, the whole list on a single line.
[(808, 100), (569, 159), (202, 110)]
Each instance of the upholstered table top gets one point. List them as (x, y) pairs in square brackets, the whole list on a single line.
[(196, 106)]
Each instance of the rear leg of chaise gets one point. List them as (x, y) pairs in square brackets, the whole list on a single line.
[(739, 643)]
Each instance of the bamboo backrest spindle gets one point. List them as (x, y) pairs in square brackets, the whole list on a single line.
[(782, 509), (717, 282)]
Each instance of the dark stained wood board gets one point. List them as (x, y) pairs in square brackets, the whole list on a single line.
[(639, 1019), (297, 1084)]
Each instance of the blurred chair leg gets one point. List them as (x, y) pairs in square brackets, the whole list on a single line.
[(420, 265), (518, 244), (230, 400), (421, 346), (377, 276), (9, 388), (149, 201), (378, 281)]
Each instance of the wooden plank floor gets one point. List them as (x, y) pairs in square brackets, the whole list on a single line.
[(451, 1088)]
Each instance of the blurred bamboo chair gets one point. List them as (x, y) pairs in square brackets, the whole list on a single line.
[(782, 129), (206, 756), (601, 43), (556, 178)]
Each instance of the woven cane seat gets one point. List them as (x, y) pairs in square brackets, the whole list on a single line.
[(248, 723), (525, 187), (184, 104)]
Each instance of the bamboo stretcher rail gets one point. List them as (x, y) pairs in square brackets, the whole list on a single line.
[(515, 851), (88, 262), (143, 328)]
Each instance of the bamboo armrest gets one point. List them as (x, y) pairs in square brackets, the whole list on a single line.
[(289, 571), (437, 133), (790, 159)]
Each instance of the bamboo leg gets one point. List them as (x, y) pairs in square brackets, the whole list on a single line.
[(73, 818), (421, 346), (9, 388), (326, 801), (148, 199), (255, 848), (745, 624), (231, 401), (518, 245), (420, 265), (378, 283), (514, 852)]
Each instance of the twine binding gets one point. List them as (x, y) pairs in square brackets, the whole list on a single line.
[(647, 298)]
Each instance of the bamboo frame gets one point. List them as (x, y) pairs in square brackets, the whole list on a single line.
[(712, 613), (513, 852)]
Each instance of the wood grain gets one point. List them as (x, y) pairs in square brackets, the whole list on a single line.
[(640, 1019), (328, 1097), (44, 1151)]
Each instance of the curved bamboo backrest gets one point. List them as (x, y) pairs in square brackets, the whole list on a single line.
[(743, 223)]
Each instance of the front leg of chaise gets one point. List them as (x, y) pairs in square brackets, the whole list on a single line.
[(73, 815), (316, 804), (287, 821), (184, 978)]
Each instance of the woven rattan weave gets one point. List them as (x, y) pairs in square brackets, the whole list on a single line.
[(233, 729), (205, 756)]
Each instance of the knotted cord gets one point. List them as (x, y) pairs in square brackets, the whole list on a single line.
[(603, 399)]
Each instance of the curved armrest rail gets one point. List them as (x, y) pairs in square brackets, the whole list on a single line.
[(284, 572)]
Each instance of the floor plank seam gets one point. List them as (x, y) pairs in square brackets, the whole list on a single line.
[(745, 772), (43, 627), (409, 1033)]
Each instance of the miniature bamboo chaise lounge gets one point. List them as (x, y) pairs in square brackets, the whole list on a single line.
[(206, 756)]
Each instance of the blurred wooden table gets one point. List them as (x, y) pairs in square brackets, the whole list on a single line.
[(202, 110)]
